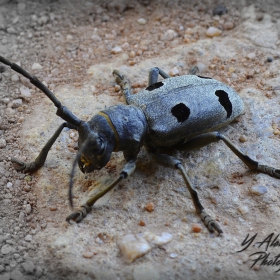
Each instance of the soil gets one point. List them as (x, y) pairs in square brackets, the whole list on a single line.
[(73, 47)]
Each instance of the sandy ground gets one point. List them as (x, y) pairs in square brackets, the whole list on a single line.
[(74, 47)]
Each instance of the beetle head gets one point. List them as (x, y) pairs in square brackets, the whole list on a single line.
[(94, 149)]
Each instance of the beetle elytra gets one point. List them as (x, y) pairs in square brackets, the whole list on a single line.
[(179, 113)]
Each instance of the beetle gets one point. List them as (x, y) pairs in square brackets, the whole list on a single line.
[(178, 113)]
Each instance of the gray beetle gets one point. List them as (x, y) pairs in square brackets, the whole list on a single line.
[(177, 113)]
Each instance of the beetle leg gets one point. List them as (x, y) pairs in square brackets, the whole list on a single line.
[(78, 215), (41, 158), (153, 75), (210, 137), (172, 162), (124, 83)]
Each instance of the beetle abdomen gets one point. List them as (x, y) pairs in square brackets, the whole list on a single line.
[(182, 107)]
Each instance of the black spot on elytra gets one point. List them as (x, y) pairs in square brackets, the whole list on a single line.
[(154, 86), (181, 112), (224, 100)]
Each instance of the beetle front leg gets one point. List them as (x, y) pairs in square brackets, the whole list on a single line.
[(41, 158), (80, 214), (172, 162)]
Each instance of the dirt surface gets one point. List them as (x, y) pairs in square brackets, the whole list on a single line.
[(73, 46)]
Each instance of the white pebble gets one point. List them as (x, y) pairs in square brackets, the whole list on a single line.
[(158, 240), (96, 38), (258, 190), (6, 249), (28, 267), (25, 92), (251, 55), (173, 255), (15, 78), (34, 18), (169, 35), (213, 31), (36, 66), (28, 238), (132, 247), (116, 49), (3, 143), (243, 209), (28, 209), (142, 21), (43, 20), (16, 103), (173, 72)]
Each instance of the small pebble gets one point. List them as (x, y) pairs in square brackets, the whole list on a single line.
[(196, 228), (258, 190), (27, 188), (132, 247), (228, 25), (116, 50), (88, 254), (150, 207), (219, 10), (117, 88), (158, 240), (15, 78), (142, 223), (16, 275), (213, 31), (28, 209), (269, 59), (6, 249), (28, 267), (259, 16), (251, 55), (169, 35), (3, 143), (242, 138), (173, 255), (132, 54), (36, 66), (17, 103), (243, 209), (28, 238), (142, 21), (53, 208), (174, 72)]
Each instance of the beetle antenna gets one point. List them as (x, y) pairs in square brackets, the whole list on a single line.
[(62, 111)]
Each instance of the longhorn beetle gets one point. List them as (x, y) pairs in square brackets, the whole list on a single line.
[(179, 113)]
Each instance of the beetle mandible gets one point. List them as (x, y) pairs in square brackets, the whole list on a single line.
[(178, 113)]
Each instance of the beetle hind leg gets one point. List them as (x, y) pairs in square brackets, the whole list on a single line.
[(172, 162), (211, 137)]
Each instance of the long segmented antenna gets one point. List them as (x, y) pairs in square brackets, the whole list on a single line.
[(62, 111)]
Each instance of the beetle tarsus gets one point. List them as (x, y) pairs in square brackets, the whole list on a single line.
[(79, 215), (210, 223), (25, 166)]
